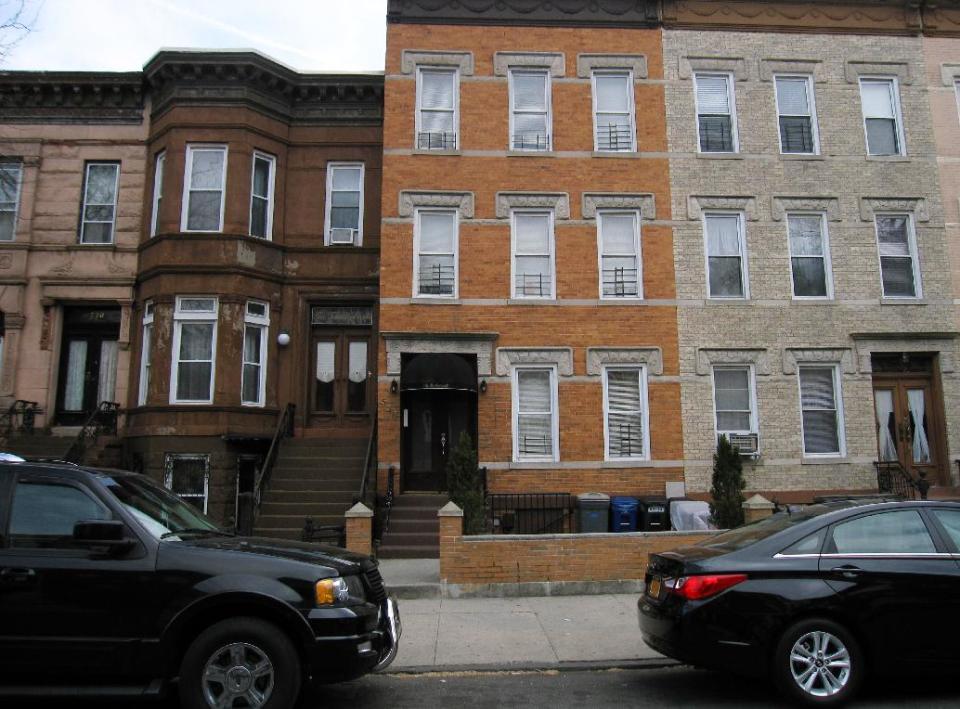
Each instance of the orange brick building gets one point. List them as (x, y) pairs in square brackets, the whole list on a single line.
[(527, 275)]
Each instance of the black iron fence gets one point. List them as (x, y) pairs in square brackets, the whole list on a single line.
[(531, 513), (894, 479)]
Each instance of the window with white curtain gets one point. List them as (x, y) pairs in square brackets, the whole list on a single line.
[(99, 212), (613, 111), (203, 188), (11, 176), (146, 344), (734, 399), (821, 410), (716, 113), (621, 265), (535, 425), (435, 253), (625, 413), (796, 115), (880, 101), (437, 108), (357, 373), (323, 390), (261, 195), (533, 264), (896, 241), (194, 350), (344, 216), (531, 122), (254, 375), (158, 164), (187, 476), (726, 262), (809, 256)]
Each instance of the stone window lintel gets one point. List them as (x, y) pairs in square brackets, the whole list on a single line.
[(561, 357), (691, 65), (587, 63), (553, 61), (853, 70), (598, 357), (950, 74), (869, 206), (829, 205), (411, 199), (707, 357), (813, 67), (698, 204), (559, 202), (796, 356), (479, 344), (412, 58), (596, 201)]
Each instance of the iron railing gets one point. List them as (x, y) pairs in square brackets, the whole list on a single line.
[(620, 282), (533, 284), (531, 513), (330, 534), (20, 417), (893, 478), (368, 459), (432, 140), (614, 137), (530, 141), (103, 421), (284, 429), (381, 518)]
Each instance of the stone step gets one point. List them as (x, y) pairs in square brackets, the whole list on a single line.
[(308, 484), (409, 552), (319, 492), (414, 525), (408, 539), (419, 513), (305, 508)]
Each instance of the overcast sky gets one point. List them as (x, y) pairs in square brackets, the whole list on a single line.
[(121, 35)]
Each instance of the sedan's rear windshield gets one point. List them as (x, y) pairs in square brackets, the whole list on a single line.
[(748, 534)]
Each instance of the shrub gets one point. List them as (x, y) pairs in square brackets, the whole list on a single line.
[(726, 509), (465, 485)]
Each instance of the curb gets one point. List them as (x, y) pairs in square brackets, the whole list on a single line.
[(524, 589), (653, 663)]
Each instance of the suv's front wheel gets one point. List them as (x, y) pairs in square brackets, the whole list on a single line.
[(240, 662)]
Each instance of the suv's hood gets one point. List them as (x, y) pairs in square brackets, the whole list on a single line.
[(334, 557)]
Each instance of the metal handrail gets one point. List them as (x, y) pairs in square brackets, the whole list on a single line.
[(892, 477), (25, 410), (364, 481), (381, 520), (284, 429), (102, 420)]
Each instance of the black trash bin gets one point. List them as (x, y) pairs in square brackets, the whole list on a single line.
[(654, 516), (624, 514), (594, 511)]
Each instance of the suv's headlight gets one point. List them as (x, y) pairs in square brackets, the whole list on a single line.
[(339, 591)]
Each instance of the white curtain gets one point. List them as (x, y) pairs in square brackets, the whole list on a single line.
[(108, 371), (76, 366), (921, 446), (358, 362), (884, 404), (325, 357)]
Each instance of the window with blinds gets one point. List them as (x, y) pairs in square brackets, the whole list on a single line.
[(726, 276), (733, 399), (11, 175), (437, 106), (820, 411), (535, 415), (344, 215), (899, 275), (530, 119), (613, 117), (796, 116), (435, 237), (261, 195), (809, 256), (625, 412), (533, 275), (716, 125), (203, 188), (99, 211), (620, 260), (881, 116)]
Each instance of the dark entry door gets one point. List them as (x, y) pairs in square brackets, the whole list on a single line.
[(907, 430), (433, 420), (88, 362)]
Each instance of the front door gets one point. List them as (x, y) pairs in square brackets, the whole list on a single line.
[(88, 362), (906, 425), (433, 420), (340, 388)]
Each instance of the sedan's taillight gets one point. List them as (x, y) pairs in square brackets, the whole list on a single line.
[(696, 588)]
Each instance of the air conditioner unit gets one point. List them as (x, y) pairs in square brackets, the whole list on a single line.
[(748, 443), (342, 235)]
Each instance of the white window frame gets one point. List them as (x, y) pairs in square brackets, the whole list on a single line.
[(159, 164), (146, 347), (416, 252), (187, 177), (551, 239), (188, 316), (262, 324), (5, 166), (914, 256), (84, 204), (332, 167), (811, 104), (827, 264), (731, 99), (897, 114), (838, 402), (555, 414), (631, 104), (548, 88), (271, 160), (956, 91), (168, 464), (456, 105), (641, 370), (637, 246), (751, 384), (744, 270)]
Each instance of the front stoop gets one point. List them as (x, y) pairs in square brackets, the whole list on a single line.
[(414, 531)]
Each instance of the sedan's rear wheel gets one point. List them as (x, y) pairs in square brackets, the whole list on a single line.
[(818, 663)]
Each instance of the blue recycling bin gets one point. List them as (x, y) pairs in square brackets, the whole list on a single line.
[(623, 514)]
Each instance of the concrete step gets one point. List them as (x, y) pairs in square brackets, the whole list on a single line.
[(388, 551), (414, 513), (407, 539), (307, 484), (414, 525), (306, 508), (278, 493)]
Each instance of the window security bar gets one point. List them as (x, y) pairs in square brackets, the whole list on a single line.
[(431, 140), (627, 442), (436, 279), (620, 282), (614, 137), (531, 141), (533, 284), (535, 445)]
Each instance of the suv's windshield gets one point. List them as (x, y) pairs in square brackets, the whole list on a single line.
[(163, 514), (746, 535)]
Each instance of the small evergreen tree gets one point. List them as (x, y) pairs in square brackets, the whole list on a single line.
[(465, 486), (726, 510)]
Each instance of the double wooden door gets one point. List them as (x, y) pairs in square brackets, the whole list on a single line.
[(908, 424), (341, 377)]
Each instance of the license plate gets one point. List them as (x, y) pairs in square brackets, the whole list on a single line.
[(653, 590)]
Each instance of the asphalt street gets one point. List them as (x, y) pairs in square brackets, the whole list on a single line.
[(671, 687)]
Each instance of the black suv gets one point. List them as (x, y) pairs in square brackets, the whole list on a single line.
[(108, 583)]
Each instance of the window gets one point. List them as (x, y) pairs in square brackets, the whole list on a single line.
[(796, 114), (435, 253), (145, 354), (194, 346), (901, 532), (621, 267), (821, 412), (531, 124), (158, 164), (188, 477), (533, 254), (950, 521), (726, 265), (11, 175), (99, 203), (253, 377), (716, 116), (809, 256), (344, 219), (625, 412), (261, 195), (357, 373), (734, 400), (881, 116), (437, 108), (899, 271), (613, 111), (203, 187), (44, 514), (535, 429)]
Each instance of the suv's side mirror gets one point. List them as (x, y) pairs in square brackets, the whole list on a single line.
[(105, 536)]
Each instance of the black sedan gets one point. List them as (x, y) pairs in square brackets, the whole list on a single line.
[(817, 599)]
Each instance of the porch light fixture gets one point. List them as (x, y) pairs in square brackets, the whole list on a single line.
[(394, 387), (283, 339), (483, 386)]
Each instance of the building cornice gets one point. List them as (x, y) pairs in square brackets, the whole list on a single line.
[(597, 13), (71, 97)]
